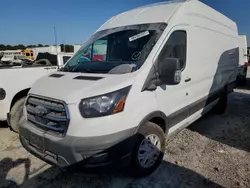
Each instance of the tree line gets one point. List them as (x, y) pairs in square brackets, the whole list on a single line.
[(19, 46), (64, 47)]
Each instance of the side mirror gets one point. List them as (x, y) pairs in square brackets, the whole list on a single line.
[(169, 71)]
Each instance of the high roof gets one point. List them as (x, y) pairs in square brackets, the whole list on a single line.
[(162, 12), (154, 13)]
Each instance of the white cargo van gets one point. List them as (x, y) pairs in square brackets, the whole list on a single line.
[(243, 59), (144, 74)]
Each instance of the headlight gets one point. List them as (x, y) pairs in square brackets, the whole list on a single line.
[(103, 105)]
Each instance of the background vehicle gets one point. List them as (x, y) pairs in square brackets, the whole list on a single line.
[(49, 49), (16, 81), (144, 74), (29, 54), (8, 55), (15, 59), (54, 58), (243, 59), (11, 52)]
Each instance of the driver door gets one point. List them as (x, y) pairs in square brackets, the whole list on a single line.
[(174, 100)]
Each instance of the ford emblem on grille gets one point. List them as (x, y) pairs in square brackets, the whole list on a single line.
[(40, 111)]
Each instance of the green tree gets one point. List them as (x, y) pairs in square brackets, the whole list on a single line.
[(19, 47), (67, 48), (31, 46)]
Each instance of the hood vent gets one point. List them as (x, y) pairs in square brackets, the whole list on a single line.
[(56, 75), (87, 78)]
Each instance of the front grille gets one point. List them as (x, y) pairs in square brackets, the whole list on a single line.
[(47, 114)]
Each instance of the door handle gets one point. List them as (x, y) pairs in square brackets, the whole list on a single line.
[(187, 79)]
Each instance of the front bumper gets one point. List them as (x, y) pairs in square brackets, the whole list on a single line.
[(68, 150)]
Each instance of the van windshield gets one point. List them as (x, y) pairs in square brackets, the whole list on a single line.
[(118, 48)]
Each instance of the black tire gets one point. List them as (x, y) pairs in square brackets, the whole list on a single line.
[(147, 129), (241, 80), (244, 81), (221, 106), (16, 114)]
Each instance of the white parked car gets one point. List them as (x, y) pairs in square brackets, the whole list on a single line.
[(15, 59), (243, 59), (145, 74), (15, 83)]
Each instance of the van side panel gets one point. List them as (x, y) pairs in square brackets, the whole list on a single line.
[(212, 61), (213, 52)]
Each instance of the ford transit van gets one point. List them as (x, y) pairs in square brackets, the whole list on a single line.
[(142, 76)]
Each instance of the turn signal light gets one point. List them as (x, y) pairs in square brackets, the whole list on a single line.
[(120, 105)]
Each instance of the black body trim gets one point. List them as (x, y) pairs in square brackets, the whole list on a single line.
[(191, 109), (178, 116), (203, 102), (56, 75), (186, 111), (154, 115), (88, 78)]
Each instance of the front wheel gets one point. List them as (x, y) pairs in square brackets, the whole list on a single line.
[(149, 149), (16, 114)]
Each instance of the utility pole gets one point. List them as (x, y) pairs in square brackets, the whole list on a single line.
[(55, 34), (64, 50)]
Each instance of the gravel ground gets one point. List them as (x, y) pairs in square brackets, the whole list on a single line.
[(212, 152)]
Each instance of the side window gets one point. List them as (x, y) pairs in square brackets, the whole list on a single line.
[(175, 47), (100, 50), (65, 59), (95, 52), (86, 53)]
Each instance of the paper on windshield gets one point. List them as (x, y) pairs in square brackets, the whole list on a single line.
[(140, 35)]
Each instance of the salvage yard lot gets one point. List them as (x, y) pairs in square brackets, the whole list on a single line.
[(212, 152)]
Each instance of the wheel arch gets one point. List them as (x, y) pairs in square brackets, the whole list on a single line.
[(158, 118), (18, 96)]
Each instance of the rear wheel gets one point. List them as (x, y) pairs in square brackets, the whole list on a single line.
[(241, 80), (221, 106), (244, 80), (16, 114), (149, 149)]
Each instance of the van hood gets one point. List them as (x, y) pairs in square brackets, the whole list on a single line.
[(72, 87)]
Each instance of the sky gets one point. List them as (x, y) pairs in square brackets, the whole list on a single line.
[(33, 21)]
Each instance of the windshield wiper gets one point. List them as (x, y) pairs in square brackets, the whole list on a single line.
[(65, 69), (84, 71)]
